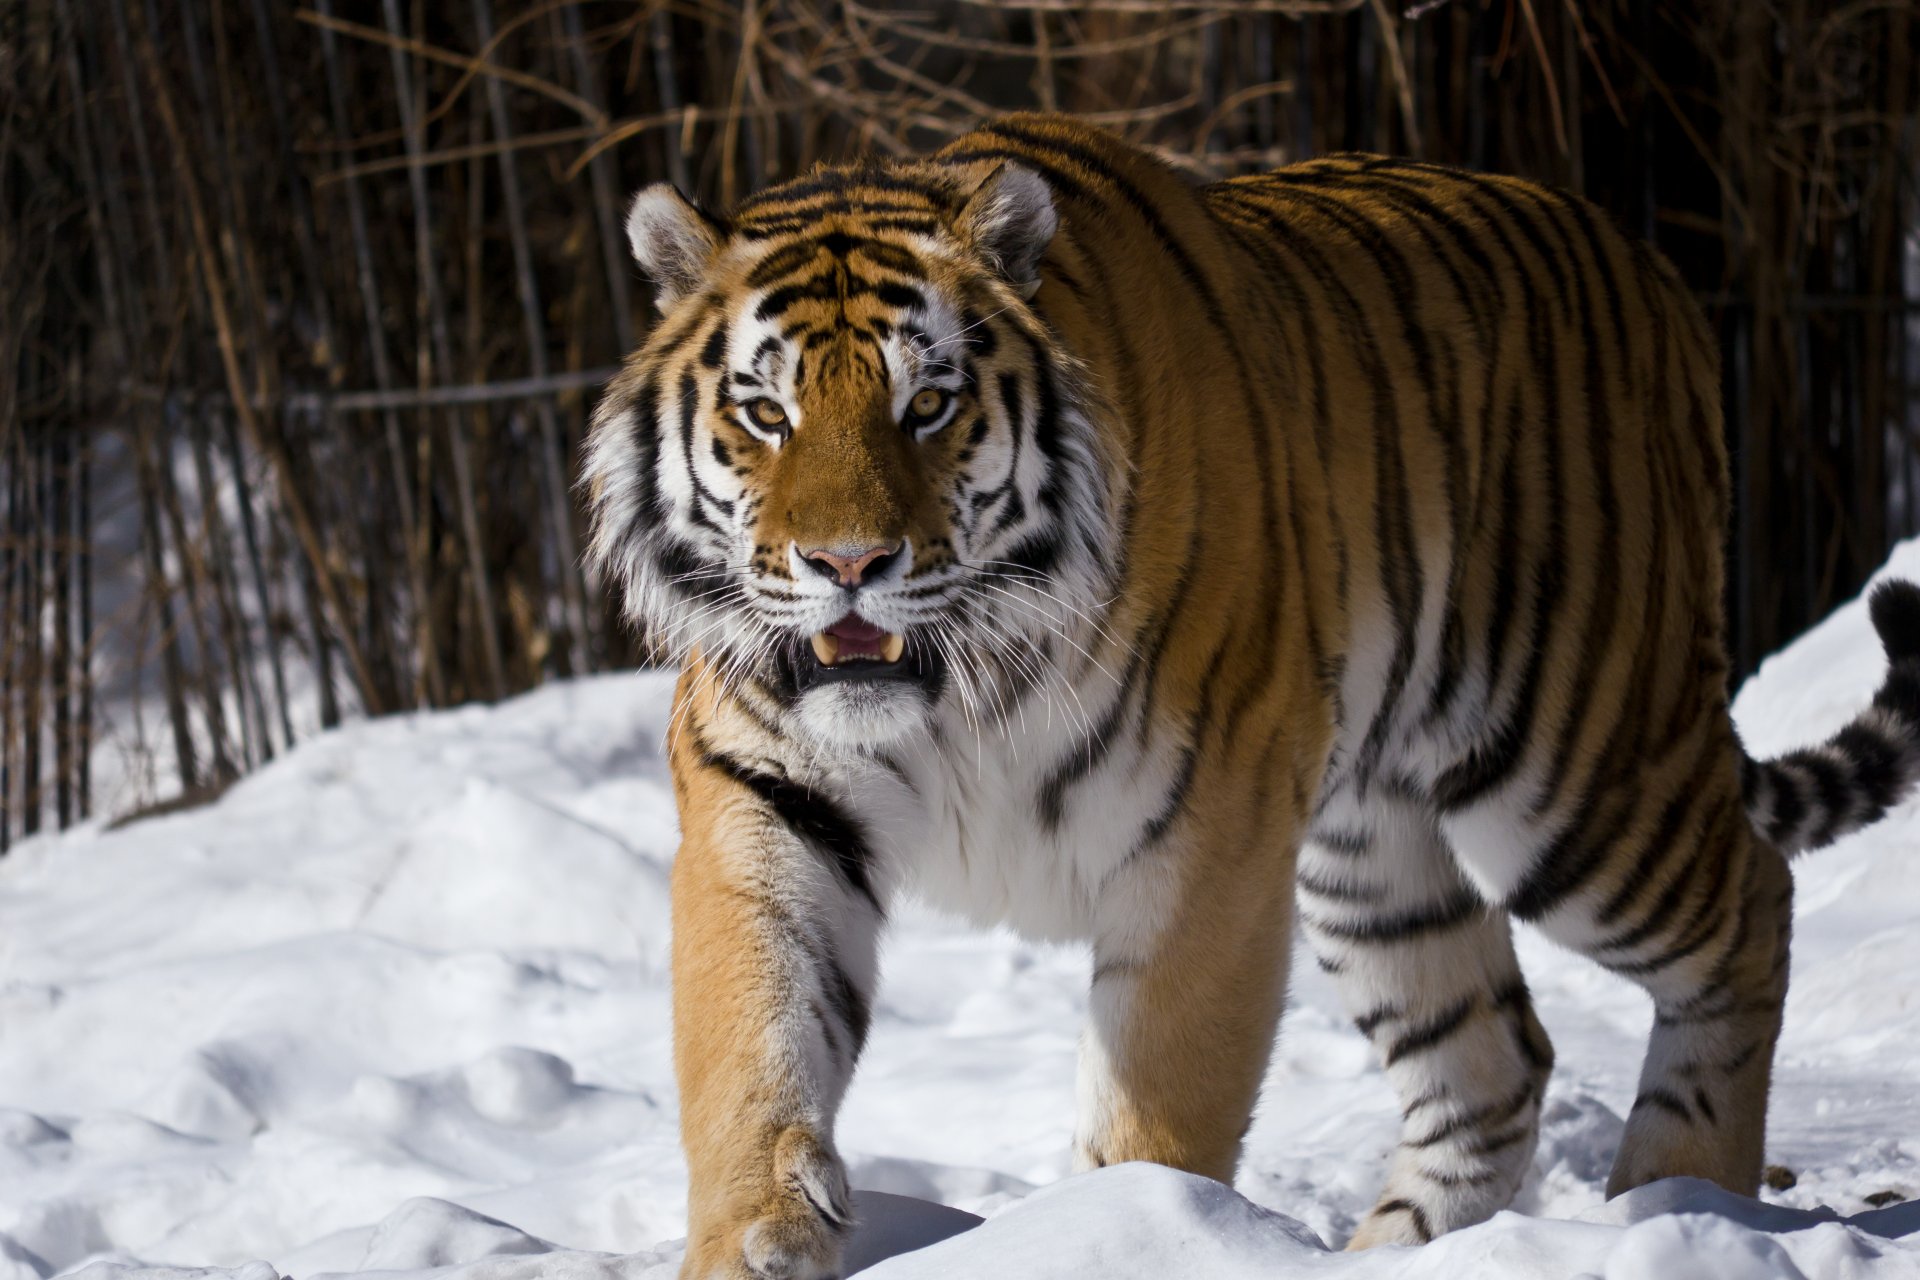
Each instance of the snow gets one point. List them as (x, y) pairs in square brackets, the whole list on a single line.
[(398, 1004)]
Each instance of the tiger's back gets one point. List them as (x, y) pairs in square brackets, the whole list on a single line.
[(1532, 706), (1351, 532), (1521, 406)]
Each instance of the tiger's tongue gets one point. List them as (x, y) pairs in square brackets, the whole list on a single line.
[(857, 636)]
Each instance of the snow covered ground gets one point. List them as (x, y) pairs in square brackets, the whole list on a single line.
[(407, 986)]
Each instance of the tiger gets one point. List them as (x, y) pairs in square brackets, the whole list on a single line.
[(1161, 567)]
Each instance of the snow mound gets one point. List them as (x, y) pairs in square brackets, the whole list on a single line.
[(1151, 1223), (397, 1004)]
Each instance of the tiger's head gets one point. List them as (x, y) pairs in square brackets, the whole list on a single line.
[(851, 462)]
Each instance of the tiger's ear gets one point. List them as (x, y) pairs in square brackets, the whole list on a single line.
[(672, 240), (1011, 219)]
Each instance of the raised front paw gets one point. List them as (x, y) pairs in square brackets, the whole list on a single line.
[(793, 1229)]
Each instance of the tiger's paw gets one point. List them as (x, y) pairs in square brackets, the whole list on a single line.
[(1392, 1222), (795, 1231)]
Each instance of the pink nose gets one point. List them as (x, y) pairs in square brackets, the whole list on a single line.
[(849, 570)]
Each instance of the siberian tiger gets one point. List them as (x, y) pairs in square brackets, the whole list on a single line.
[(1120, 558)]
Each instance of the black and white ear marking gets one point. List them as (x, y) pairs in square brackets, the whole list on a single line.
[(672, 240), (1011, 219)]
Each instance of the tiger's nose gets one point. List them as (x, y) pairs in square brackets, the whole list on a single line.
[(849, 571)]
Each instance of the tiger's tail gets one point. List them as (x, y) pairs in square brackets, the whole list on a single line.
[(1809, 798)]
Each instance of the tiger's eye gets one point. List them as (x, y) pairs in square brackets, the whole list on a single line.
[(767, 413), (927, 403)]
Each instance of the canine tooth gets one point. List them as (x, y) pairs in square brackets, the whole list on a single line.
[(826, 648), (892, 647)]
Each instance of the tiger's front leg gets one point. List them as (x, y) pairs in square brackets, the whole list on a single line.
[(774, 929), (1190, 971)]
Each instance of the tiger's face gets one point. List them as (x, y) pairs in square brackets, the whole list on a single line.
[(851, 463)]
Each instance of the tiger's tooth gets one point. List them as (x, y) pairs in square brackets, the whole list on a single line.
[(892, 647), (826, 648)]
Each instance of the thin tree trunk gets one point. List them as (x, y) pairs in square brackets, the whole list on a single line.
[(414, 519), (322, 647), (243, 497), (10, 542), (660, 33), (160, 591), (83, 668), (433, 312), (58, 522), (320, 644), (268, 442), (577, 655), (613, 240), (226, 592), (33, 464), (206, 648)]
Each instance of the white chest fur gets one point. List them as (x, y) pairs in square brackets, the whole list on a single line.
[(1029, 823)]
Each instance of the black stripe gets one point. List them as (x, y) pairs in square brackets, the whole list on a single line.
[(1492, 762), (1413, 1211), (784, 261), (1174, 802), (1448, 913), (1363, 343), (1351, 844), (1107, 970), (1162, 632), (1173, 246), (1833, 785), (813, 817), (1334, 891), (1492, 1114), (849, 1003), (1602, 562), (1013, 405), (714, 354), (1703, 854), (772, 229), (1789, 805), (1518, 202), (837, 285), (844, 184), (1401, 574), (1084, 756), (646, 443), (970, 152), (1367, 1022), (1455, 1181), (1875, 759), (1661, 842), (1529, 1037), (1426, 218), (1497, 1142), (1674, 954), (1046, 423), (1432, 1033), (1663, 1100), (702, 498), (1275, 274), (1038, 553), (1195, 278), (1575, 856)]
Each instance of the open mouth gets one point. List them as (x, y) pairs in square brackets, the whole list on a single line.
[(855, 640), (855, 650)]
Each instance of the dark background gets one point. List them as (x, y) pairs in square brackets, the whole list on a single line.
[(304, 305)]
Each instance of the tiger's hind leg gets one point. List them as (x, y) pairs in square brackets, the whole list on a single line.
[(1700, 917), (1428, 972)]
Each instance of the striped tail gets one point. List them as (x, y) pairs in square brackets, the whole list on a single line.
[(1807, 799)]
